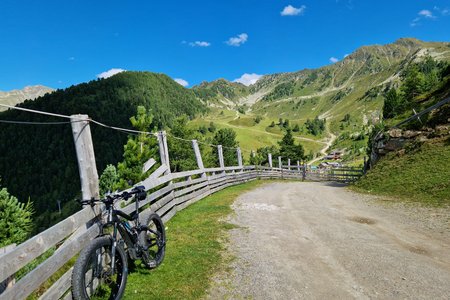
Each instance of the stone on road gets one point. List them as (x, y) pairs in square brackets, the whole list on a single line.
[(321, 241)]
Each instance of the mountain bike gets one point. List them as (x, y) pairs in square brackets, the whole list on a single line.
[(101, 269)]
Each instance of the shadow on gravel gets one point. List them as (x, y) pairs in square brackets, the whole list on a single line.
[(335, 184)]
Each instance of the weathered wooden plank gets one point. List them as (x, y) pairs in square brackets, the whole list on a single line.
[(11, 262), (187, 173), (59, 288), (224, 178), (187, 197), (169, 215), (41, 273), (148, 181), (168, 206), (190, 189), (161, 202), (153, 196), (148, 164), (182, 184), (193, 200)]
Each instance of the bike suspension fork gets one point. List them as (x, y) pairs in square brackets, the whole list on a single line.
[(114, 243)]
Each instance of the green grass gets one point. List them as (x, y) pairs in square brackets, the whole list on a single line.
[(194, 250), (422, 175)]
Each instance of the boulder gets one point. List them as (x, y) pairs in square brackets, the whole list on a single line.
[(411, 133), (395, 133)]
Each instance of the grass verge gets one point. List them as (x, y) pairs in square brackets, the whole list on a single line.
[(193, 252), (422, 175)]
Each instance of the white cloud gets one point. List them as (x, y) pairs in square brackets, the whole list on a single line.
[(237, 40), (110, 73), (199, 44), (293, 11), (333, 60), (248, 79), (181, 81), (426, 13)]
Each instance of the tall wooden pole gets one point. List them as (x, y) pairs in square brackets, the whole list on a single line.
[(85, 156), (270, 160), (220, 152), (239, 156), (198, 156), (164, 150)]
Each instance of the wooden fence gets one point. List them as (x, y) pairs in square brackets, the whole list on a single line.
[(168, 193)]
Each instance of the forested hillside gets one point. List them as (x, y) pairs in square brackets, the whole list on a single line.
[(39, 162)]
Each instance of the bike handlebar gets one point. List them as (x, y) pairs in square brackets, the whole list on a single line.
[(139, 191)]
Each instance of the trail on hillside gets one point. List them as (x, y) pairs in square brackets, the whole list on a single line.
[(321, 241), (323, 151), (269, 133)]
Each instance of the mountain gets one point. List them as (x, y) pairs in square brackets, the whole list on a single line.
[(352, 89), (362, 75), (18, 96), (221, 92), (39, 162)]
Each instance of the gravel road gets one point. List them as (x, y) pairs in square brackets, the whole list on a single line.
[(321, 241)]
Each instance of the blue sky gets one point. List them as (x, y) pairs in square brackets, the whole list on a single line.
[(60, 43)]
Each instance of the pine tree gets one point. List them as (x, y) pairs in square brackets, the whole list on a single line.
[(137, 150), (15, 219), (227, 138), (182, 157), (108, 180), (288, 148)]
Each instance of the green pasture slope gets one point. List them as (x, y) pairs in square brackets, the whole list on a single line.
[(422, 175)]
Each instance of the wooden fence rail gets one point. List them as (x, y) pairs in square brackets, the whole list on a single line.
[(169, 193)]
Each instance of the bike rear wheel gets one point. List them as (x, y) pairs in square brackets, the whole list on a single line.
[(153, 241), (92, 276)]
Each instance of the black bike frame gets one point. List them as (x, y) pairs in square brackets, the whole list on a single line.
[(124, 229)]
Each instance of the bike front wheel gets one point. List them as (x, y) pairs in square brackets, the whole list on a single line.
[(93, 276), (153, 241)]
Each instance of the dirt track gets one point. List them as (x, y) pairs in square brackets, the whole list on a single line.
[(320, 241)]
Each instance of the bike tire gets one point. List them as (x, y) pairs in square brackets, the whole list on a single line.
[(153, 241), (96, 259)]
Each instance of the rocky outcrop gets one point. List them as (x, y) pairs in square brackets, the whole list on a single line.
[(395, 140)]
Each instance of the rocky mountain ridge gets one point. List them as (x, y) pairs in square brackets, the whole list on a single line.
[(27, 93)]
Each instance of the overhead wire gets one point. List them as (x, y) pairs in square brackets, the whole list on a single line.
[(35, 123), (81, 119)]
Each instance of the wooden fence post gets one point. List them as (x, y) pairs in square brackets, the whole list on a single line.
[(220, 152), (281, 166), (198, 156), (270, 160), (164, 150), (8, 282), (289, 164), (304, 172), (85, 156), (239, 156), (298, 166)]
